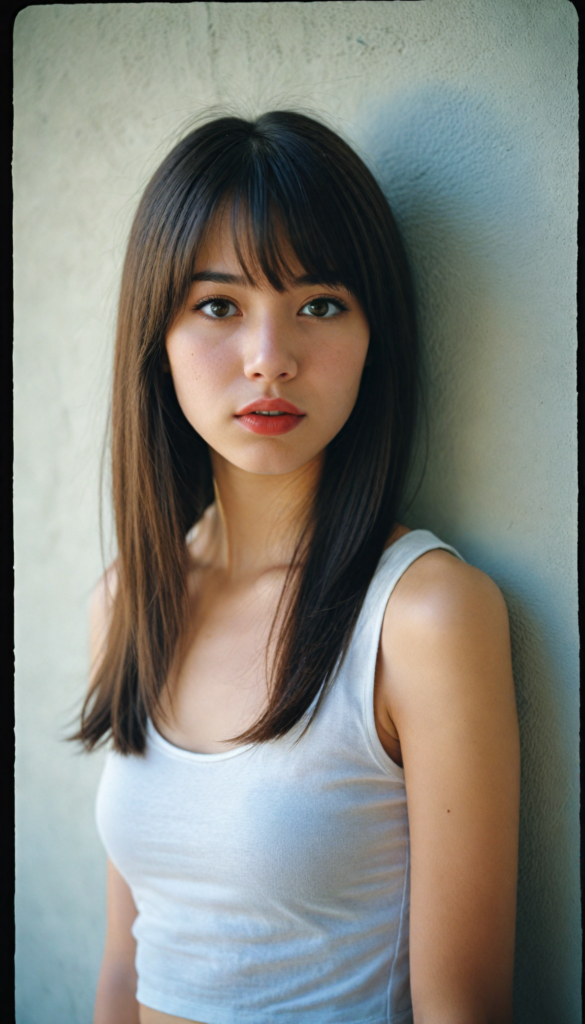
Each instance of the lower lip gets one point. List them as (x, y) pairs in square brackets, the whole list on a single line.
[(270, 426)]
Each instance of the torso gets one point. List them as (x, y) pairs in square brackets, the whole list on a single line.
[(221, 688)]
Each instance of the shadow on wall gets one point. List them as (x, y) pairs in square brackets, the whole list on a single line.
[(469, 197)]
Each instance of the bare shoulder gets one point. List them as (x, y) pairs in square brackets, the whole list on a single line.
[(445, 636), (100, 609), (103, 595), (440, 596), (439, 590)]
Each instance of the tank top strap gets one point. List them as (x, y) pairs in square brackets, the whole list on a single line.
[(394, 562), (358, 668)]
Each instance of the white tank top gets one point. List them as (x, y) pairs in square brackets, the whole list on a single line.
[(272, 880)]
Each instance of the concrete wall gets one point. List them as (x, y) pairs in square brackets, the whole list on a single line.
[(467, 112)]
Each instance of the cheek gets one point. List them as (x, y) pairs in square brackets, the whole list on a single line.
[(200, 373), (339, 368)]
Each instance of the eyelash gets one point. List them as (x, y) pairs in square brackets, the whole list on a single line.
[(343, 307), (212, 298)]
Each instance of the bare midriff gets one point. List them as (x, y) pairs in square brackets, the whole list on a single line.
[(148, 1016)]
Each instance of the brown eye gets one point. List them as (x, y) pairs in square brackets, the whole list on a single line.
[(322, 308), (319, 307), (218, 309)]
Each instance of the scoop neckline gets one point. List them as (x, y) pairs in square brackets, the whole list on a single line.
[(158, 740)]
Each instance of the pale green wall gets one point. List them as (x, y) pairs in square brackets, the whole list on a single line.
[(467, 111)]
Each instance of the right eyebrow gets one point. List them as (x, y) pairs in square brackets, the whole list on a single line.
[(216, 278)]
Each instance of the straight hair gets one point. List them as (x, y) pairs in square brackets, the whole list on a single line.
[(289, 183)]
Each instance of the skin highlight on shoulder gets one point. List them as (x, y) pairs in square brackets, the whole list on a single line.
[(443, 612), (440, 593)]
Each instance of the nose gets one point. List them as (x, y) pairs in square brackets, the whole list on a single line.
[(268, 352)]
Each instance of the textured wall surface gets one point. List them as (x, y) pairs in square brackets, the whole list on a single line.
[(467, 112)]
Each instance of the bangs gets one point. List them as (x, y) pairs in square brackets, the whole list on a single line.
[(269, 247), (285, 208)]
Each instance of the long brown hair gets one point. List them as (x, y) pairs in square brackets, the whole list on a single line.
[(284, 178)]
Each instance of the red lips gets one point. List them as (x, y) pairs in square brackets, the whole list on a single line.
[(254, 416)]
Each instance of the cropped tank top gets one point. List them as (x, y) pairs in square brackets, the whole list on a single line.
[(272, 880)]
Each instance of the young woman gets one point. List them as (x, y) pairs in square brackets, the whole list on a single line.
[(310, 806)]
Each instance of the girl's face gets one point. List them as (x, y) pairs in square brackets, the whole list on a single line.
[(266, 378)]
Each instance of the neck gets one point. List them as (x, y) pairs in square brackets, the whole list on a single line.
[(258, 518)]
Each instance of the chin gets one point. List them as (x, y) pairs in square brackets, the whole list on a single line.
[(270, 463), (265, 458)]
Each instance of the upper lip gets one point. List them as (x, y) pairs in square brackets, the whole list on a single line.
[(269, 405)]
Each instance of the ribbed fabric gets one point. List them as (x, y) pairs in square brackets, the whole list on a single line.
[(272, 880)]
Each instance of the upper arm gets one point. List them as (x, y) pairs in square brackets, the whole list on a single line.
[(447, 681), (100, 609)]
